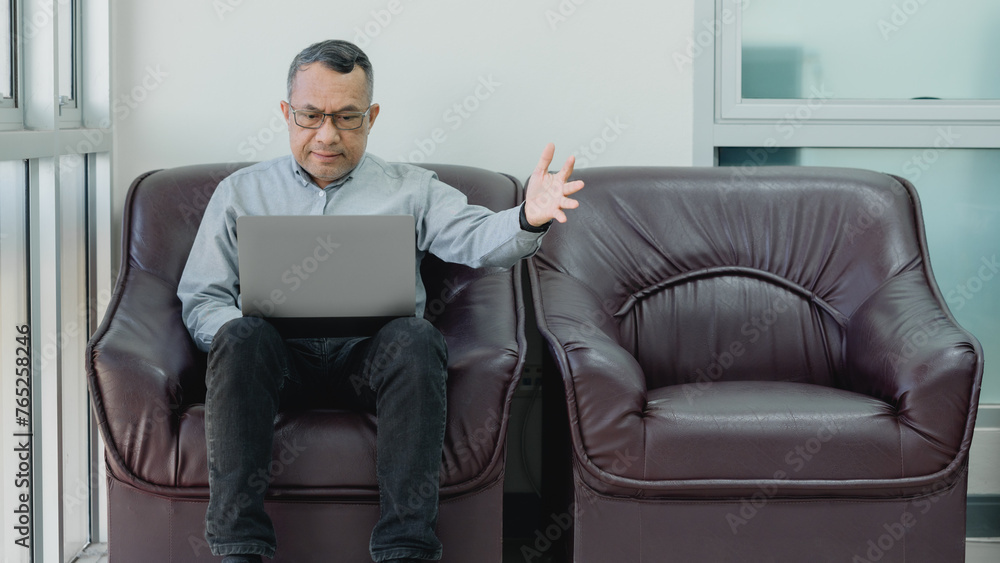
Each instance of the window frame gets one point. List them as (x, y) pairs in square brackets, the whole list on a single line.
[(723, 118), (70, 109), (733, 106), (10, 108), (70, 259)]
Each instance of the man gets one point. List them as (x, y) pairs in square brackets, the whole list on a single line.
[(252, 370)]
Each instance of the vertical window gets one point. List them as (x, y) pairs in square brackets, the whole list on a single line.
[(55, 219), (75, 308), (14, 321), (68, 55), (7, 53)]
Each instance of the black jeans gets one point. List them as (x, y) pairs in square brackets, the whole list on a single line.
[(399, 373)]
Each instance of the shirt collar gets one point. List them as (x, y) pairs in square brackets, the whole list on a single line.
[(306, 180)]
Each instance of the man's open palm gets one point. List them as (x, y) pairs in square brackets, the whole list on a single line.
[(545, 197)]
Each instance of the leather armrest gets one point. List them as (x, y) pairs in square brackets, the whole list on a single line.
[(137, 388), (476, 312), (606, 392), (903, 347)]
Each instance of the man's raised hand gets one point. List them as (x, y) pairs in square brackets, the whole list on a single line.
[(545, 197)]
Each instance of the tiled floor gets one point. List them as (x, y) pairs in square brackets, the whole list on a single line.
[(977, 552)]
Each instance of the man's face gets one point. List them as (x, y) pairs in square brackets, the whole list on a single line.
[(328, 153)]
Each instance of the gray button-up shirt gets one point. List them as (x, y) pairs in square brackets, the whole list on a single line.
[(447, 226)]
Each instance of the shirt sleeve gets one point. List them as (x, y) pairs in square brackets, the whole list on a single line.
[(209, 285), (456, 231)]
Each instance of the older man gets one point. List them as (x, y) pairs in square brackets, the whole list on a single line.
[(252, 370)]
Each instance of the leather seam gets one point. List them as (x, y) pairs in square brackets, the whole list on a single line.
[(772, 500), (741, 271)]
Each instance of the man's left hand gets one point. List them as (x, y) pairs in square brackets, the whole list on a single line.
[(545, 197)]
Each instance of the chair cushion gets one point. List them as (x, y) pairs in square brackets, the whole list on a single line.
[(764, 430), (312, 449)]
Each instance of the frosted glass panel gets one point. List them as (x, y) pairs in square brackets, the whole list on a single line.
[(14, 319), (67, 37), (74, 331), (871, 49), (6, 52), (960, 195)]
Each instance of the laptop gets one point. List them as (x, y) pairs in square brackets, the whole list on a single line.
[(327, 275)]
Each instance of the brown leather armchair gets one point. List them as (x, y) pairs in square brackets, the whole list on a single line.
[(757, 369), (147, 382)]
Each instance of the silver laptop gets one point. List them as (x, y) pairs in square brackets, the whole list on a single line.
[(327, 275)]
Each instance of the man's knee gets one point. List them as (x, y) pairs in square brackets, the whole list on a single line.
[(244, 331), (243, 347), (410, 345), (408, 331)]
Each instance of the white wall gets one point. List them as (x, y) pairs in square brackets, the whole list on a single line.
[(197, 81)]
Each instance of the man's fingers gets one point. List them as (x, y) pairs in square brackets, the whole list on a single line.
[(568, 203), (572, 187), (546, 160), (567, 169)]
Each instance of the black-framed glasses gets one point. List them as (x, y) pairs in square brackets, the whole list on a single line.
[(343, 120)]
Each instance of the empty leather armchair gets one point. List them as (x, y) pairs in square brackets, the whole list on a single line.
[(757, 368), (147, 380)]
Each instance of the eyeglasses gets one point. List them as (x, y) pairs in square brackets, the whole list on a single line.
[(343, 120)]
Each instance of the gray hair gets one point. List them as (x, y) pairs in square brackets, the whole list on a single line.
[(337, 55)]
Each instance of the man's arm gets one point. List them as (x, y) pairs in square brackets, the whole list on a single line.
[(209, 286), (455, 231)]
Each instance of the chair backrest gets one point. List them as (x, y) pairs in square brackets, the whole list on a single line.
[(718, 274)]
